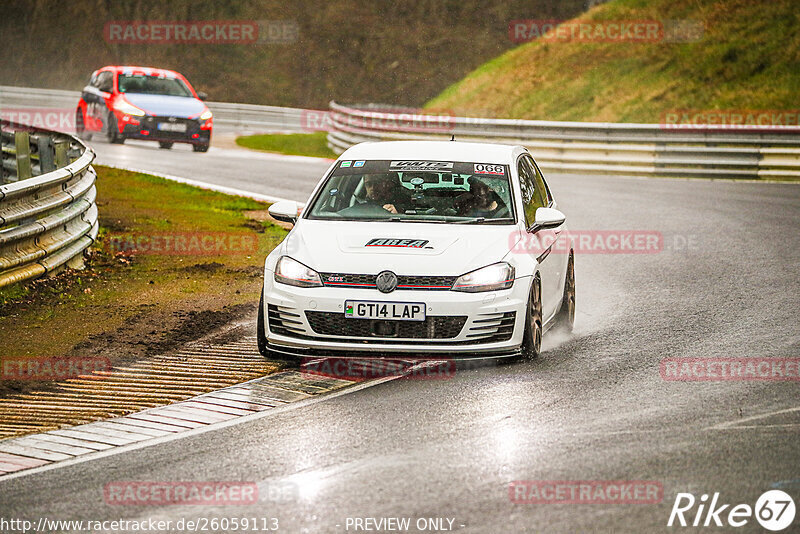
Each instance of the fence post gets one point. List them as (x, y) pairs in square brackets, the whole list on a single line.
[(46, 154), (22, 141), (61, 147), (3, 171)]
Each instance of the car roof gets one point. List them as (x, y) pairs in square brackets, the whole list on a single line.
[(435, 151), (147, 71)]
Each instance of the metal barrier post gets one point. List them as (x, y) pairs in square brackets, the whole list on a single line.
[(46, 154), (3, 172), (22, 143), (60, 149)]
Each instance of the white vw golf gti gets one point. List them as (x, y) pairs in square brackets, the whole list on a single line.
[(423, 248)]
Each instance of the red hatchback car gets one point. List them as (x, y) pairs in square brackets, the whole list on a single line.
[(144, 103)]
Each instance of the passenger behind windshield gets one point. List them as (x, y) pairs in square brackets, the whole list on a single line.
[(482, 200)]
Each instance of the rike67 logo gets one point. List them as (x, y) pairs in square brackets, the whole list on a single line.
[(774, 510)]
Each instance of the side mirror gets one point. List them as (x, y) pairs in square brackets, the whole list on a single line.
[(285, 211), (547, 218), (202, 96)]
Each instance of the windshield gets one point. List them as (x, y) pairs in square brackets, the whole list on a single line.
[(152, 85), (416, 191)]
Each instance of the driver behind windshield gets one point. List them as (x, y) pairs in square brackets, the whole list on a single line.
[(386, 191)]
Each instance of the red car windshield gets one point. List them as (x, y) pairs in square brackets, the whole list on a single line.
[(152, 85)]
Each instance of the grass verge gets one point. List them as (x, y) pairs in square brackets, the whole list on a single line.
[(198, 265), (311, 144)]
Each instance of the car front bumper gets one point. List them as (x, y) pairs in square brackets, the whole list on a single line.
[(311, 321), (148, 129)]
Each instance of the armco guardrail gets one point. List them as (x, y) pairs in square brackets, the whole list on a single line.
[(240, 118), (48, 214), (578, 147)]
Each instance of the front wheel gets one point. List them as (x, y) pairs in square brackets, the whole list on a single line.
[(565, 321), (80, 127), (261, 337), (112, 131), (532, 337)]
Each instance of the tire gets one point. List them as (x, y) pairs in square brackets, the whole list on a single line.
[(166, 145), (200, 148), (80, 127), (112, 131), (532, 337), (565, 320), (261, 338)]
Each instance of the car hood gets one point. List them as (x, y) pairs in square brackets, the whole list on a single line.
[(172, 106), (404, 248)]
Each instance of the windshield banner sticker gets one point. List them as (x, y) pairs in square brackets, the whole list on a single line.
[(421, 165)]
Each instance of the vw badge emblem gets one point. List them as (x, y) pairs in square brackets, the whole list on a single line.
[(386, 282)]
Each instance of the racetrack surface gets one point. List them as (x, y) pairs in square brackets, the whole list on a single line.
[(289, 177), (592, 407)]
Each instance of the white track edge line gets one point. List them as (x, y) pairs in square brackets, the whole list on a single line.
[(735, 423)]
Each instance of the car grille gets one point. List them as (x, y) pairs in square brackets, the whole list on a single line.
[(285, 322), (491, 327), (429, 283), (433, 327)]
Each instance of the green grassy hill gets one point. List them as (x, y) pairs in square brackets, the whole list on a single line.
[(747, 59)]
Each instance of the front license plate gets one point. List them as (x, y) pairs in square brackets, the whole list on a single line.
[(172, 126), (396, 311)]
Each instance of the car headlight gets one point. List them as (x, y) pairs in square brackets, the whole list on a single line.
[(489, 278), (294, 273), (128, 108), (206, 115)]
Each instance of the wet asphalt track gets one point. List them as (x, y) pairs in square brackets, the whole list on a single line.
[(592, 407)]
